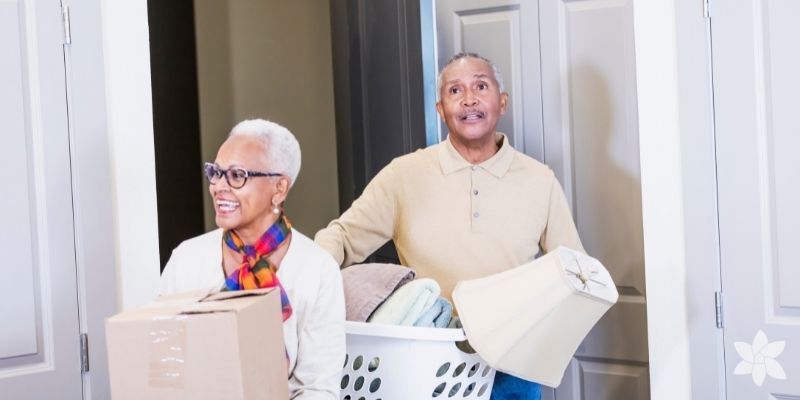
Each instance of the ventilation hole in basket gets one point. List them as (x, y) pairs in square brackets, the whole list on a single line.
[(438, 390), (373, 365), (345, 360), (474, 370), (345, 381), (482, 390), (361, 398), (359, 383), (469, 389), (346, 397), (454, 390), (375, 385), (459, 369), (357, 363), (486, 371), (442, 370)]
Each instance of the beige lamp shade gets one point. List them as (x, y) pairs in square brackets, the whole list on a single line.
[(528, 321)]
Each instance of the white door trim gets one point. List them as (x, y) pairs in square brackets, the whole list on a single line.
[(701, 235), (662, 200), (113, 168), (678, 199), (126, 54)]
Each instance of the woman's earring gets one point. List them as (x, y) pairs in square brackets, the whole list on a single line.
[(276, 209)]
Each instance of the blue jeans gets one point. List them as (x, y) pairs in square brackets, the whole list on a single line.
[(507, 387)]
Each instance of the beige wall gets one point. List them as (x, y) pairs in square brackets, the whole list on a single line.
[(272, 59), (214, 81)]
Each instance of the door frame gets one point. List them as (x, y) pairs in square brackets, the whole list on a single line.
[(113, 168), (677, 162), (679, 199)]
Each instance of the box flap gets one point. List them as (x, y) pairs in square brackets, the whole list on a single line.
[(162, 307), (232, 294), (224, 301)]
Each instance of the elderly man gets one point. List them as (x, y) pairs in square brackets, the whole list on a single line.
[(465, 208)]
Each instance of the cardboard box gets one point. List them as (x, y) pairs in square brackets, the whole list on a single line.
[(226, 345)]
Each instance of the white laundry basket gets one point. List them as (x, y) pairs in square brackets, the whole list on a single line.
[(387, 362)]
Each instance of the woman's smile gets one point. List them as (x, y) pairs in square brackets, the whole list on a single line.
[(224, 206)]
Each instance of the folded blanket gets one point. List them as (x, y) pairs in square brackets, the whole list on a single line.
[(438, 316), (408, 303), (366, 286)]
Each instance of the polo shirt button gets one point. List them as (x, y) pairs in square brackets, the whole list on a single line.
[(472, 168), (475, 192), (476, 215)]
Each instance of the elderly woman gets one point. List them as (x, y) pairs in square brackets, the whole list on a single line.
[(255, 247)]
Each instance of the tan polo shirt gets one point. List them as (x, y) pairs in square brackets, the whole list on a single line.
[(451, 220)]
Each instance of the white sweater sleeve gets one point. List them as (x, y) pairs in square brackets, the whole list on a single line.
[(321, 341), (167, 282)]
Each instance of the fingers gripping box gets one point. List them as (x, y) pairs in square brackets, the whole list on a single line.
[(226, 345)]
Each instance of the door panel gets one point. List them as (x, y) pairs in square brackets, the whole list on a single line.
[(39, 351), (604, 380), (592, 143), (495, 29), (19, 338), (756, 86)]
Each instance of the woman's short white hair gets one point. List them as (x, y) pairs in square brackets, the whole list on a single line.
[(283, 151)]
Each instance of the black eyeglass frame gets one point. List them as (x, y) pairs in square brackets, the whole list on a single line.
[(225, 172)]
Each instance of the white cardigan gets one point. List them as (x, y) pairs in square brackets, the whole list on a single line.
[(314, 334)]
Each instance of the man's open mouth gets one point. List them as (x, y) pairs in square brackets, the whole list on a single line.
[(472, 116)]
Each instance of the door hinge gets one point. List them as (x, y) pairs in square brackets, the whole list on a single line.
[(65, 18), (718, 309), (84, 353), (706, 9)]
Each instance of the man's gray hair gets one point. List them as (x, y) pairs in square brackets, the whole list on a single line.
[(497, 76), (283, 151)]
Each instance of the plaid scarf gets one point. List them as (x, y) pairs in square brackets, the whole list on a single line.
[(256, 272)]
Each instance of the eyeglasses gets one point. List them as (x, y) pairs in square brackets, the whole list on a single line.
[(236, 177)]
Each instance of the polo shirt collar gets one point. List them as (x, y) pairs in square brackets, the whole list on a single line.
[(497, 165)]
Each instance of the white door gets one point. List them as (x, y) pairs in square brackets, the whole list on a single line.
[(570, 70), (39, 334), (756, 74), (592, 142)]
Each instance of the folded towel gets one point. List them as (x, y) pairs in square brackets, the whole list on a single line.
[(408, 303), (366, 286), (438, 316)]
